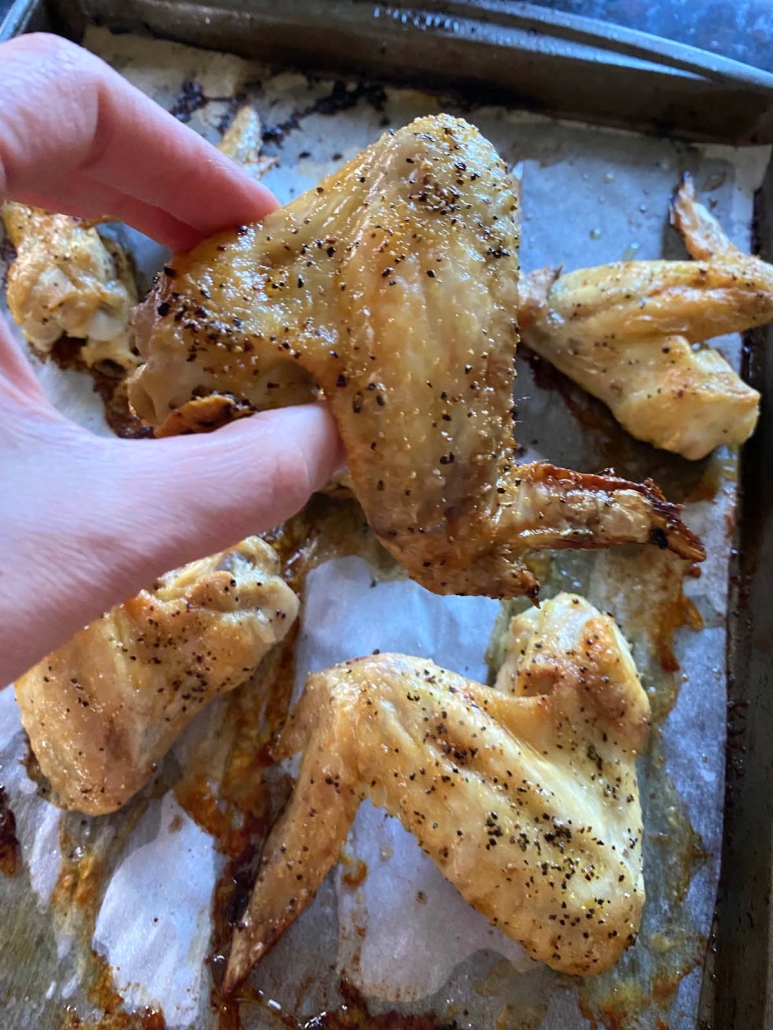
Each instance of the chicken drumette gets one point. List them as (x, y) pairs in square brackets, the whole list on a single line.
[(524, 795)]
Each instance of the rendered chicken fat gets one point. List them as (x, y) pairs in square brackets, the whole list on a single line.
[(524, 795), (104, 709), (392, 287)]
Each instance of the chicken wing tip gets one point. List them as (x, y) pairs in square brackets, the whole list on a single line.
[(684, 194)]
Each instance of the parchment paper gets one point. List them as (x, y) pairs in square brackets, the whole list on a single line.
[(403, 936)]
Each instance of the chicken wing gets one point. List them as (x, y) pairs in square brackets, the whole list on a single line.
[(67, 279), (102, 710), (243, 140), (525, 796), (393, 286), (625, 332)]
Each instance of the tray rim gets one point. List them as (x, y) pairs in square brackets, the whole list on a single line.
[(544, 37), (744, 907)]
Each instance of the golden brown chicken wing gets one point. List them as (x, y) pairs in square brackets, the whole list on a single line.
[(243, 140), (393, 287), (625, 332), (67, 279), (525, 795), (104, 709)]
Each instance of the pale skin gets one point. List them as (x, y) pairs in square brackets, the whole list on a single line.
[(88, 521)]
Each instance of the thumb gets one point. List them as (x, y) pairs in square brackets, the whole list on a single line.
[(204, 492), (87, 522)]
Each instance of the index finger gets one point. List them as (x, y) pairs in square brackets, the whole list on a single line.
[(75, 134)]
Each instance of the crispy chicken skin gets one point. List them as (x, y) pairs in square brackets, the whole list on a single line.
[(243, 140), (104, 709), (393, 286), (625, 332), (67, 279), (525, 795)]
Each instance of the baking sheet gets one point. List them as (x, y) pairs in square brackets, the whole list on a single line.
[(125, 903)]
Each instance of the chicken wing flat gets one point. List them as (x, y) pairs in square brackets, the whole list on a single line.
[(525, 796), (625, 332), (67, 279), (102, 710), (393, 287)]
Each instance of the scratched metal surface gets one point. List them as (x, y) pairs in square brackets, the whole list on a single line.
[(137, 887)]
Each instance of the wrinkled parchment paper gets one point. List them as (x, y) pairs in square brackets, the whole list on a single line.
[(403, 936)]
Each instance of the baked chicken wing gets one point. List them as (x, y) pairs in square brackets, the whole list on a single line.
[(69, 280), (102, 710), (392, 286), (243, 140), (625, 332), (525, 795)]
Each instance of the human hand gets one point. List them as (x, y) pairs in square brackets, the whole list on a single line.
[(87, 521)]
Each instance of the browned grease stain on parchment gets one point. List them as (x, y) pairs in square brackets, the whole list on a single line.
[(650, 615), (103, 995), (10, 858), (84, 868), (111, 385), (232, 789), (356, 871), (351, 1012)]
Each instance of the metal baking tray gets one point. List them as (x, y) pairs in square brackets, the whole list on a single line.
[(578, 68)]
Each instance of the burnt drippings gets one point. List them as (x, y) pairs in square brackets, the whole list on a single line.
[(148, 1019), (342, 97), (90, 849), (355, 1013), (110, 383), (103, 995), (10, 854), (190, 99), (7, 258)]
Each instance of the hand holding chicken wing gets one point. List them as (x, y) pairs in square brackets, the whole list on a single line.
[(392, 286), (525, 796), (87, 521)]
